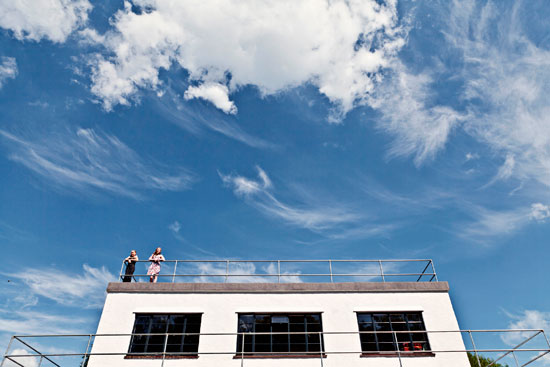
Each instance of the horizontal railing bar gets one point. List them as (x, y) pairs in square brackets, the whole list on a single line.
[(290, 332), (287, 261), (272, 353)]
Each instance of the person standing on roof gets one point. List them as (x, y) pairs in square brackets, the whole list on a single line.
[(154, 268), (130, 262)]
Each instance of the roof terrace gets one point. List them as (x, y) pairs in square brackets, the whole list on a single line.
[(289, 271)]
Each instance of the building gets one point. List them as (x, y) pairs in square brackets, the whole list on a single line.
[(363, 315)]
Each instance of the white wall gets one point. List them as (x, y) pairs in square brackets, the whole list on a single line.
[(220, 316)]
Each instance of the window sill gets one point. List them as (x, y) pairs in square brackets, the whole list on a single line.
[(159, 356), (395, 354), (278, 356)]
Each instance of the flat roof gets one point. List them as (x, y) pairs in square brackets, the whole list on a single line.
[(351, 287)]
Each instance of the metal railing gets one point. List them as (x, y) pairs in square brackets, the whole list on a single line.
[(290, 271), (530, 351)]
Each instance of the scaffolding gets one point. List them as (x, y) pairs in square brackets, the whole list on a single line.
[(533, 350)]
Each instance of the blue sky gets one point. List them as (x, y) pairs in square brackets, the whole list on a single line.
[(312, 130)]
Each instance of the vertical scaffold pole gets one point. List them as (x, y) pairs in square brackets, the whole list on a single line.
[(164, 350), (475, 348), (397, 348), (7, 351), (321, 347), (242, 352)]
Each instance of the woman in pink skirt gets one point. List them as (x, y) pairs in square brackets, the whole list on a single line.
[(154, 268)]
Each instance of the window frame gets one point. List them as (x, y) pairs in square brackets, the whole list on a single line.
[(396, 350), (253, 353), (169, 355)]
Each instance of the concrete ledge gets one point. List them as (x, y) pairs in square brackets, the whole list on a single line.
[(356, 287)]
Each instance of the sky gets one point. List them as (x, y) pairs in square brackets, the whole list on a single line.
[(313, 129)]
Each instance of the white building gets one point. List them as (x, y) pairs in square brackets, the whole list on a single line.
[(290, 324)]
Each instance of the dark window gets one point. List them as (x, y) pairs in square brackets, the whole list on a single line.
[(279, 338), (183, 345), (383, 332)]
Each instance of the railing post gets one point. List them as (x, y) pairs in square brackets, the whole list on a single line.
[(279, 271), (226, 270), (475, 348), (330, 269), (381, 271), (40, 362), (121, 269), (174, 275), (433, 271), (7, 351)]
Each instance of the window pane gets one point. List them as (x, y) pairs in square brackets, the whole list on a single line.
[(399, 325), (279, 320), (161, 324), (279, 327), (364, 318)]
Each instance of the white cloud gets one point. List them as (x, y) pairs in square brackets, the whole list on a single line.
[(507, 168), (243, 272), (175, 226), (86, 290), (407, 112), (325, 217), (507, 83), (37, 19), (490, 223), (338, 46), (38, 322), (90, 159), (193, 118), (8, 69), (21, 361), (540, 212), (529, 319), (216, 93)]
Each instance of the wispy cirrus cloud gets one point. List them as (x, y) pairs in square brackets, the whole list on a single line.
[(488, 224), (54, 20), (86, 290), (335, 221), (90, 161), (195, 119), (8, 69), (38, 322), (408, 112), (506, 76)]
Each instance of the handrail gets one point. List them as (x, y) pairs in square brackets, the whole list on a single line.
[(376, 271)]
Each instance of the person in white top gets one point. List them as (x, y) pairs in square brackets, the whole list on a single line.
[(154, 268)]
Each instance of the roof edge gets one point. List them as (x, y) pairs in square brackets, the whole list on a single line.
[(355, 287)]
